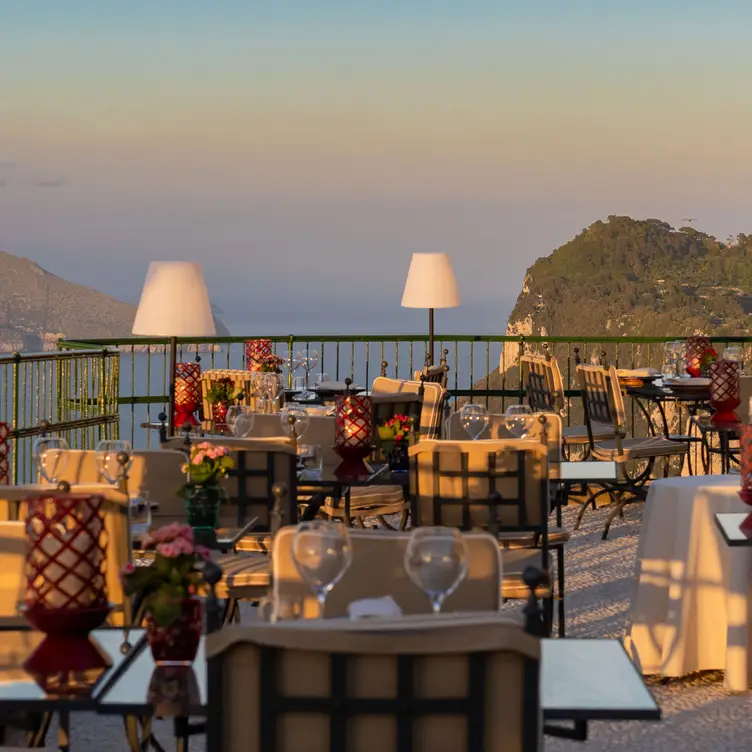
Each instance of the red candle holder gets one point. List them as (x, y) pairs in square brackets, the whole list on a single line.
[(724, 391), (353, 433), (66, 590), (696, 348), (187, 393), (745, 471), (4, 454), (256, 350)]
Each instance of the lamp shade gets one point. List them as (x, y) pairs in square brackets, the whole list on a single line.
[(174, 302), (430, 282)]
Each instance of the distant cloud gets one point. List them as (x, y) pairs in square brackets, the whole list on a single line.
[(53, 183)]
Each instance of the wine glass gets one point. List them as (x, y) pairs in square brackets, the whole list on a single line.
[(107, 459), (50, 455), (519, 420), (322, 554), (233, 411), (436, 561), (735, 354), (302, 419), (309, 360), (240, 419), (474, 419), (291, 360), (140, 515)]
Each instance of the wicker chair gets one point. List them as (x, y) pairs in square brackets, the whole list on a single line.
[(479, 591), (603, 402), (457, 682), (495, 485)]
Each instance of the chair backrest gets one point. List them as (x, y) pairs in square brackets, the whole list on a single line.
[(431, 406), (378, 569), (460, 683), (242, 380), (601, 398), (543, 384), (547, 429), (12, 563), (498, 485)]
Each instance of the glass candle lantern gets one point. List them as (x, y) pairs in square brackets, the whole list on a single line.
[(696, 348), (187, 393), (353, 432), (256, 350), (724, 391)]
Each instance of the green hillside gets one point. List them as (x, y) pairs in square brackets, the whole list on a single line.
[(638, 277)]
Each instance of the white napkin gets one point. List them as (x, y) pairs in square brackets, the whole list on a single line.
[(333, 386), (687, 382), (320, 410), (638, 373), (368, 607)]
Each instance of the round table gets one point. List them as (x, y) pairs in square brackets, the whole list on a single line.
[(690, 607)]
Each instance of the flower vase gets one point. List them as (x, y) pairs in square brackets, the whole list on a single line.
[(176, 644), (397, 456), (219, 412), (202, 505)]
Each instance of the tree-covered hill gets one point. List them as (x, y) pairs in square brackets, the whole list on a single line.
[(638, 277)]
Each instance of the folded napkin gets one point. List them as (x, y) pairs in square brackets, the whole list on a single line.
[(369, 607), (320, 410), (638, 373), (334, 386), (693, 382)]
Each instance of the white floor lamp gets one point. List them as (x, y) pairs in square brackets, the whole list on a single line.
[(430, 284), (174, 303)]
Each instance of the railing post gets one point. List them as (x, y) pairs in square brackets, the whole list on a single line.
[(290, 346), (16, 392), (520, 353)]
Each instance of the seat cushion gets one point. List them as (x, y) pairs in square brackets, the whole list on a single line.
[(514, 563), (632, 449), (557, 536), (579, 434), (371, 499), (243, 575)]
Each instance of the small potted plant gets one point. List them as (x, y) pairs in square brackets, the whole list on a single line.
[(207, 465), (220, 396), (271, 364), (169, 591), (396, 434)]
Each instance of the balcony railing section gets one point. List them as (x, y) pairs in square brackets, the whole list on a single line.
[(72, 393)]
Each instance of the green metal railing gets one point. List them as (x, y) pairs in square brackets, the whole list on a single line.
[(75, 392), (482, 368)]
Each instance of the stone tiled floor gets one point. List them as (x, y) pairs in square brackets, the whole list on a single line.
[(699, 715)]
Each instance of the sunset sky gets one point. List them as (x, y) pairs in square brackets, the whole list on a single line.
[(304, 149)]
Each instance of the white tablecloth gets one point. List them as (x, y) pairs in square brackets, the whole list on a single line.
[(690, 608)]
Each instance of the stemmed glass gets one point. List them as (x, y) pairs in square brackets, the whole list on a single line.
[(436, 561), (309, 360), (519, 420), (291, 360), (240, 419), (302, 419), (670, 359), (107, 459), (322, 554), (50, 455), (735, 354), (474, 419)]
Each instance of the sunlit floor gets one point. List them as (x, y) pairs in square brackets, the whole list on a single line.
[(699, 715)]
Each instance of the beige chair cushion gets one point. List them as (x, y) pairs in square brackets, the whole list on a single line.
[(12, 564), (378, 569), (574, 435), (515, 562), (244, 575), (449, 454), (369, 500), (431, 408), (371, 651), (633, 449)]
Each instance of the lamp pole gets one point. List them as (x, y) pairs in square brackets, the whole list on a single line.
[(173, 368), (430, 336)]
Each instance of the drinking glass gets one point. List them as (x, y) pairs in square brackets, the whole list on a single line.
[(107, 453), (312, 459), (50, 455), (244, 420), (322, 554), (309, 359), (272, 609), (233, 411), (735, 354), (302, 419), (140, 515), (519, 420), (474, 419), (436, 561), (321, 378), (298, 385)]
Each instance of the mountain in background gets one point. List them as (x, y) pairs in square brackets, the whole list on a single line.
[(624, 277), (38, 308)]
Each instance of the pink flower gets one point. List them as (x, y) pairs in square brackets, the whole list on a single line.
[(167, 533), (186, 531), (182, 546), (169, 550), (203, 552)]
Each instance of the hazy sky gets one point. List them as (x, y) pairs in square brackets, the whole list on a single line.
[(304, 149)]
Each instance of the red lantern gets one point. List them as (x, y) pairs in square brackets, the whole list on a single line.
[(4, 453), (353, 433), (256, 350), (187, 393), (745, 470), (696, 348), (724, 391)]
